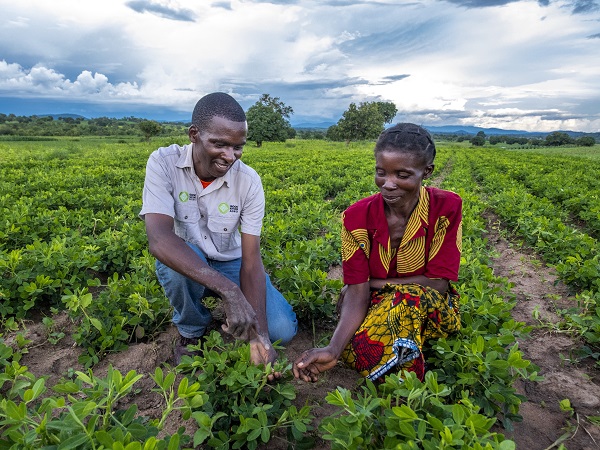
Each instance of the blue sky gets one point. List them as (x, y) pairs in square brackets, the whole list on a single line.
[(512, 64)]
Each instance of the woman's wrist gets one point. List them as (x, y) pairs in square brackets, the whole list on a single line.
[(335, 349)]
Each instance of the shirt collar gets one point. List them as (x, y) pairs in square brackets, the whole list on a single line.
[(419, 219), (186, 161), (417, 222)]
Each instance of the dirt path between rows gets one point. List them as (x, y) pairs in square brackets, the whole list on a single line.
[(538, 296)]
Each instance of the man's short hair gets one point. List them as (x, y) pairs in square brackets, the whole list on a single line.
[(407, 137), (217, 104)]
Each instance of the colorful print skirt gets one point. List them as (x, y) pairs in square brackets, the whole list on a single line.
[(399, 321)]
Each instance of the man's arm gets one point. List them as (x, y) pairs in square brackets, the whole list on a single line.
[(252, 281), (172, 251)]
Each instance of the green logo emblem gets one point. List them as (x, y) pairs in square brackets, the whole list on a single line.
[(223, 208), (184, 196)]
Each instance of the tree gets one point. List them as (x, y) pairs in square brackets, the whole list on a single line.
[(267, 121), (536, 142), (149, 128), (365, 121), (333, 133), (496, 139), (585, 141), (558, 138), (479, 139), (388, 109)]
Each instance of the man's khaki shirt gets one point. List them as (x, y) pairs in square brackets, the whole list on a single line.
[(210, 217)]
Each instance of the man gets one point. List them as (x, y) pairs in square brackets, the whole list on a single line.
[(196, 200)]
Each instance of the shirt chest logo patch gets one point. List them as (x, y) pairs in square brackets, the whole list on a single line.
[(223, 208), (184, 196)]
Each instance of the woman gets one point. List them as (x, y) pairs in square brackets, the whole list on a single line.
[(400, 249)]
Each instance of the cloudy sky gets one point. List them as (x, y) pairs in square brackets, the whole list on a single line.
[(512, 64)]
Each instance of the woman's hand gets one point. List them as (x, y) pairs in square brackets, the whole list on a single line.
[(311, 363)]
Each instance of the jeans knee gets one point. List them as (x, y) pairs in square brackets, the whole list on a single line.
[(283, 330)]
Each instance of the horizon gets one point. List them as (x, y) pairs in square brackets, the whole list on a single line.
[(430, 58), (441, 129)]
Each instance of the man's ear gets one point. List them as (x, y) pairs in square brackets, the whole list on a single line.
[(193, 133), (429, 170)]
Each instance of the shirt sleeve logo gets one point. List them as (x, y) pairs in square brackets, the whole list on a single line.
[(184, 197), (223, 208)]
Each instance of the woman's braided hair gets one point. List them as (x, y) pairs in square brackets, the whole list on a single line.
[(407, 137)]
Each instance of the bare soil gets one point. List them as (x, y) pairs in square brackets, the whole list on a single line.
[(538, 294)]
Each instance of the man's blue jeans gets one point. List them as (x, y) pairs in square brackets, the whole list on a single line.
[(192, 318)]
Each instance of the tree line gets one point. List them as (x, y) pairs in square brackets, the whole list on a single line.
[(12, 125), (268, 121), (554, 139)]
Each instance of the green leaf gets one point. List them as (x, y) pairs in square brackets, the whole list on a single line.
[(407, 429), (137, 430), (174, 442), (66, 388), (73, 442), (265, 435), (104, 438), (96, 323), (182, 389), (201, 435), (404, 412), (169, 380), (253, 434), (421, 429), (507, 445), (134, 446), (458, 413), (158, 376)]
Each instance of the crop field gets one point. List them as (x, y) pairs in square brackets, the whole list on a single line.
[(74, 267)]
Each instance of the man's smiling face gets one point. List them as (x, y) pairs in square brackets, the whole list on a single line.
[(217, 147)]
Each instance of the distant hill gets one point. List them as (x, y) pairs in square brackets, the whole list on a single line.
[(313, 126), (445, 129), (466, 130), (63, 116)]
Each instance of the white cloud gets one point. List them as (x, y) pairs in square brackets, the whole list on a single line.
[(43, 82), (436, 60)]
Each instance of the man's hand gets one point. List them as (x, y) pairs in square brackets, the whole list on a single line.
[(172, 251), (312, 362), (262, 352), (241, 321)]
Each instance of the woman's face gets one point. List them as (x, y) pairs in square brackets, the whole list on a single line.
[(399, 175)]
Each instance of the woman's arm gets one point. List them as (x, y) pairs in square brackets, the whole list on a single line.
[(354, 307), (353, 311)]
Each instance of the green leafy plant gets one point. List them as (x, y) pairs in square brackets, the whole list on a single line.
[(242, 409), (85, 416), (409, 414)]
